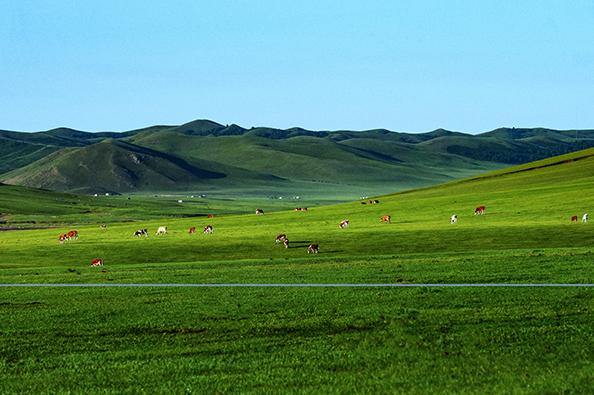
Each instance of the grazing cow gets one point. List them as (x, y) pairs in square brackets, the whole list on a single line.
[(574, 218), (280, 238), (585, 218), (259, 211), (453, 219), (286, 243), (301, 209), (73, 234), (103, 227), (62, 238), (192, 230), (386, 218), (97, 262), (210, 216), (363, 202), (207, 229), (161, 230), (313, 249), (480, 210), (375, 201), (343, 224), (141, 232)]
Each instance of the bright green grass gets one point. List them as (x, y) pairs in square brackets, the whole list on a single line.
[(297, 340), (318, 340)]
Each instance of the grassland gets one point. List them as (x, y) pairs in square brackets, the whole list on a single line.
[(318, 340)]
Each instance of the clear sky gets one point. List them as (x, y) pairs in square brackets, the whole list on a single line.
[(411, 65)]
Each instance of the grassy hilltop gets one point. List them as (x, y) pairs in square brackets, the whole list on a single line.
[(312, 340), (206, 156)]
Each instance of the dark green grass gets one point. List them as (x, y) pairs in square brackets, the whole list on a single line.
[(297, 340), (22, 207)]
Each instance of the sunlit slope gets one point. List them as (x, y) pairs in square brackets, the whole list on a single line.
[(528, 207)]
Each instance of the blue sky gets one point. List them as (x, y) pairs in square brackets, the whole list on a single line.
[(412, 66)]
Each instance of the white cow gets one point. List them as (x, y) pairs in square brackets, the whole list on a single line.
[(162, 230), (585, 218), (453, 219), (343, 224)]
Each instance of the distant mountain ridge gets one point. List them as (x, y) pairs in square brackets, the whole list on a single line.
[(203, 153)]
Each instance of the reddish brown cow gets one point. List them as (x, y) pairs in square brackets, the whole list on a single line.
[(480, 210), (210, 216), (313, 249), (97, 262), (62, 237), (386, 218), (73, 234), (192, 230), (574, 218)]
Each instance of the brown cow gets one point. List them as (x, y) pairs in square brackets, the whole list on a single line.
[(97, 262), (73, 234), (313, 249), (210, 216), (280, 238), (386, 218), (62, 237), (300, 208), (574, 218), (207, 229), (192, 230), (259, 211), (480, 210)]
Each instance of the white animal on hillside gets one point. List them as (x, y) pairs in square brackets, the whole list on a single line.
[(585, 218), (344, 224), (453, 219), (162, 230)]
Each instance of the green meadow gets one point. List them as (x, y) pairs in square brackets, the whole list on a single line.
[(311, 339)]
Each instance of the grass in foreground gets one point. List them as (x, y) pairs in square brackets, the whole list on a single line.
[(367, 340), (297, 340)]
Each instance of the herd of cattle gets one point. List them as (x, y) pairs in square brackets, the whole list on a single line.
[(281, 238)]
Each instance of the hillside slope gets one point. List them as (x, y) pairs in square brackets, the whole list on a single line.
[(204, 154), (109, 166)]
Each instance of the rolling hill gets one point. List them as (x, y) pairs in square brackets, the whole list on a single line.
[(205, 155)]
